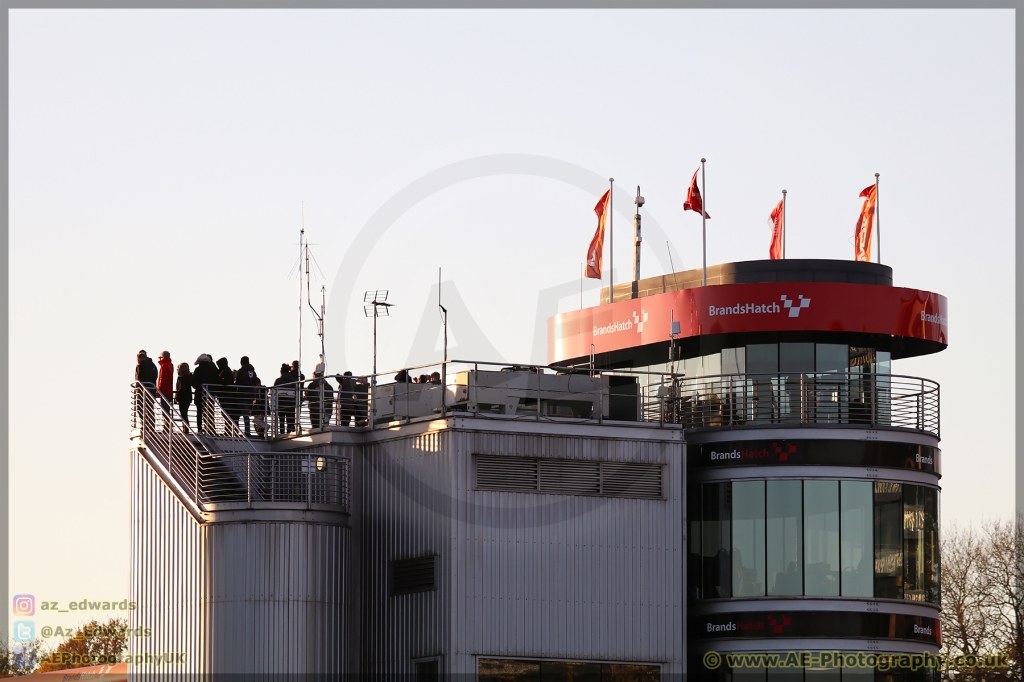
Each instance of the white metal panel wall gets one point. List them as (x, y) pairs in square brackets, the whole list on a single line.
[(275, 600), (165, 578), (519, 574), (406, 512), (567, 577)]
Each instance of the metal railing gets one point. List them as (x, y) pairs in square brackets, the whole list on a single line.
[(558, 394), (877, 400), (211, 471)]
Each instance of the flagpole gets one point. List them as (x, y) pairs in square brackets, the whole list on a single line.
[(704, 221), (783, 224), (878, 222), (611, 241)]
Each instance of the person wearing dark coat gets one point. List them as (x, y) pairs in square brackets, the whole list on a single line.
[(346, 398), (205, 375), (362, 395), (245, 376), (146, 375), (183, 391), (145, 371), (320, 397), (285, 399), (225, 391)]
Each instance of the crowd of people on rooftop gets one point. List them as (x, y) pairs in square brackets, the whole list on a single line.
[(246, 401)]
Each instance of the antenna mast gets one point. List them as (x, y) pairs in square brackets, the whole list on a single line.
[(302, 248), (444, 364), (639, 201)]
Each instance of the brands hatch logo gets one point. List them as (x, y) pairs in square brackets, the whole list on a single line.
[(637, 321), (793, 306), (794, 310), (784, 450), (778, 623)]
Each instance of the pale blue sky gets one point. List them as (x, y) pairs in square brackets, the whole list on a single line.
[(158, 160)]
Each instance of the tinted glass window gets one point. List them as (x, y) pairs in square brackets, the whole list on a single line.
[(748, 535), (784, 530), (888, 527), (762, 357), (715, 541), (693, 508), (920, 543), (821, 538), (831, 357), (856, 555), (796, 357)]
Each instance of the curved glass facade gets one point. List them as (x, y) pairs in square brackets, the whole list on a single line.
[(820, 538)]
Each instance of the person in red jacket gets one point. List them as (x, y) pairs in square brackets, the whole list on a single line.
[(165, 379)]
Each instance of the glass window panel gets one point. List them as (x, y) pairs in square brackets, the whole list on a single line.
[(888, 537), (822, 675), (716, 578), (692, 367), (856, 549), (862, 386), (734, 360), (748, 539), (785, 675), (503, 670), (831, 357), (920, 543), (693, 568), (629, 672), (821, 538), (712, 364), (883, 362), (796, 357), (883, 388), (762, 357), (795, 360), (858, 674), (750, 674), (784, 532), (562, 671), (931, 546)]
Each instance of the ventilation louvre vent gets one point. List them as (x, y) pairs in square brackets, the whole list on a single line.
[(413, 575), (569, 477)]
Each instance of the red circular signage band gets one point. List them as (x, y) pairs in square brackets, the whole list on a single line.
[(761, 307)]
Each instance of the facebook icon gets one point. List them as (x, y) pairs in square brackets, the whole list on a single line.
[(24, 630)]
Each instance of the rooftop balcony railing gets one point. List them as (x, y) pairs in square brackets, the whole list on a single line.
[(571, 395), (225, 471), (850, 398)]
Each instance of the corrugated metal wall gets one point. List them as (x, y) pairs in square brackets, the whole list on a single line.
[(275, 600), (165, 577), (256, 596), (406, 512), (520, 574)]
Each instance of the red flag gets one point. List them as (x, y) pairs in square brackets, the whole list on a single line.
[(596, 250), (862, 233), (693, 199), (777, 222)]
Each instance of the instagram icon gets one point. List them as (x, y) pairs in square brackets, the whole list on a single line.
[(24, 605)]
